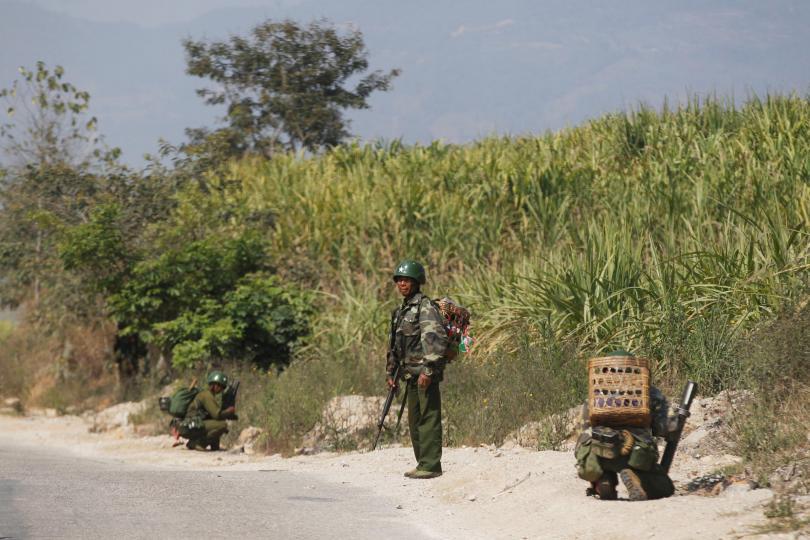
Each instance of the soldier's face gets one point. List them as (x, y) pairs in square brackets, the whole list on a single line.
[(406, 286), (215, 388)]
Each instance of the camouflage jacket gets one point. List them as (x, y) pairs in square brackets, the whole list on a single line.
[(418, 340)]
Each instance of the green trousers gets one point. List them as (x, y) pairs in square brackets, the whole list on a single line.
[(214, 430), (425, 423), (591, 467), (655, 482)]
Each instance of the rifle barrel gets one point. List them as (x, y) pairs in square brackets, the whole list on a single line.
[(688, 396)]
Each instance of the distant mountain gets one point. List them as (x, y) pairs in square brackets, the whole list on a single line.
[(509, 67)]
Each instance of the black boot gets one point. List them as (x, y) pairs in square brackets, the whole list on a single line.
[(605, 487)]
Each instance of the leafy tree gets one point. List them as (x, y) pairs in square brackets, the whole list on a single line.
[(70, 215), (46, 124), (286, 86), (97, 249), (37, 204), (49, 183)]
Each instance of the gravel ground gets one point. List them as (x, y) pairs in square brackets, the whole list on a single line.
[(485, 493)]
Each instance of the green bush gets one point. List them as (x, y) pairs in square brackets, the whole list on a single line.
[(212, 300), (260, 321)]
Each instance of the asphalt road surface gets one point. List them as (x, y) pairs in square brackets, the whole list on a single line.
[(45, 494)]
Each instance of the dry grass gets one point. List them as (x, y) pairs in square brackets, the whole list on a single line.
[(67, 372), (772, 430), (785, 515)]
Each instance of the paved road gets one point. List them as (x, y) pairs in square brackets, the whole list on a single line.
[(48, 495)]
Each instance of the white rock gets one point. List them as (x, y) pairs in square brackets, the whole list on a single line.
[(349, 418), (14, 404), (248, 439), (694, 438), (737, 488), (115, 417)]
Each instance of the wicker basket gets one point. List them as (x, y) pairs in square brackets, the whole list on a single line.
[(456, 317), (619, 391)]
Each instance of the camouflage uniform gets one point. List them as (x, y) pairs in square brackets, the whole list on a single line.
[(419, 343), (207, 408), (636, 463)]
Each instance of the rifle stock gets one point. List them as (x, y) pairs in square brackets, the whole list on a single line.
[(682, 412)]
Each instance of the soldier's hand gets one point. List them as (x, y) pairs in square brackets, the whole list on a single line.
[(423, 381), (391, 382), (229, 410)]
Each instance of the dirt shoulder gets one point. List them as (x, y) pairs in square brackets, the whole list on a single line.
[(485, 492)]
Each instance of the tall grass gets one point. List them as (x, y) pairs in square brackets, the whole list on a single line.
[(671, 232)]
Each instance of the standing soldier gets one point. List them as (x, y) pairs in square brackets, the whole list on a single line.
[(418, 343)]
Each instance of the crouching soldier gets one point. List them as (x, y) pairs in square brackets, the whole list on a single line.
[(205, 422), (630, 453)]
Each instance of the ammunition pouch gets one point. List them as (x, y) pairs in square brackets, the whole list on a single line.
[(588, 466), (606, 442), (644, 454), (451, 352)]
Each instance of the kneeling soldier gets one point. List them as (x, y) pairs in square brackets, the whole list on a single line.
[(208, 416), (606, 454)]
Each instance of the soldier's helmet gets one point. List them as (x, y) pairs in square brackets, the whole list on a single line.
[(218, 377), (411, 269)]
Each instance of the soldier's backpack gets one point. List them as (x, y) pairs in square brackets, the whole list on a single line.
[(180, 401), (457, 325), (456, 322)]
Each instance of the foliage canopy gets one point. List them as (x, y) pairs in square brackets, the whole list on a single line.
[(286, 86), (46, 124)]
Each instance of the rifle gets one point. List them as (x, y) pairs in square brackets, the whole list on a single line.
[(682, 411), (395, 318), (229, 396), (387, 407)]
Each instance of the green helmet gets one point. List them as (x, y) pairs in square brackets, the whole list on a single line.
[(218, 377), (411, 269)]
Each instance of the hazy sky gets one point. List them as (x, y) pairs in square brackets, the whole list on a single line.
[(469, 69), (145, 12)]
